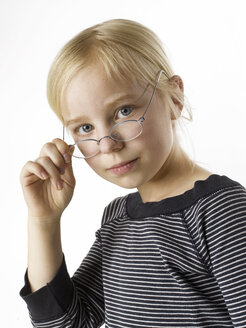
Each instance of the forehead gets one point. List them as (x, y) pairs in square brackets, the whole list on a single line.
[(91, 88)]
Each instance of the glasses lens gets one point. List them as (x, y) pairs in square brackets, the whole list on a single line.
[(86, 149), (123, 131), (126, 131), (83, 148)]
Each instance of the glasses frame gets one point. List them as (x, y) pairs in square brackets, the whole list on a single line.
[(139, 121)]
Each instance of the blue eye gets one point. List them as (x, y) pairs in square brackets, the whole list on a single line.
[(85, 128), (125, 110)]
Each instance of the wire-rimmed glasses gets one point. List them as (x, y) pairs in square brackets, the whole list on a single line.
[(122, 132)]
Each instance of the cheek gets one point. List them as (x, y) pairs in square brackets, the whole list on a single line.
[(93, 163), (157, 136)]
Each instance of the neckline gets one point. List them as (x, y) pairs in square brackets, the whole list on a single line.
[(137, 209)]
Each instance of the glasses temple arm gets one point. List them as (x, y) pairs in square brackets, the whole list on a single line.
[(157, 80)]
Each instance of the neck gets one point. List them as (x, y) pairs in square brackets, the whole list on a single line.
[(170, 180)]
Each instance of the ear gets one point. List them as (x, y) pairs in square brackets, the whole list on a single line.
[(177, 79)]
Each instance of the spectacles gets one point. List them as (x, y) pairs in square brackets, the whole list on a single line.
[(122, 132)]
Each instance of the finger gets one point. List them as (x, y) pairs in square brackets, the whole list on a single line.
[(65, 149), (54, 152), (52, 171), (31, 172)]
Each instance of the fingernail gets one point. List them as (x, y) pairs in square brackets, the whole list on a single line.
[(44, 175), (62, 170), (59, 185), (67, 158), (71, 148)]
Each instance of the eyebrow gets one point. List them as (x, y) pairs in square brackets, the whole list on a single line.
[(108, 104)]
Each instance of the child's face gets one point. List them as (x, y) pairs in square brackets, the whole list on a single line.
[(88, 95)]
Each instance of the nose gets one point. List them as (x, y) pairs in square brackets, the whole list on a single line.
[(107, 145)]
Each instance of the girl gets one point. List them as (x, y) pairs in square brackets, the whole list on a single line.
[(171, 254)]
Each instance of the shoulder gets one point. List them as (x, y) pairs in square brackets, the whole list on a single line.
[(222, 208), (227, 191), (217, 220), (116, 208)]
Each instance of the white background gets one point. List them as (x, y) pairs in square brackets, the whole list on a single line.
[(205, 42)]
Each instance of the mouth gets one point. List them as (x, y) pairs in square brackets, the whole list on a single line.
[(122, 168), (121, 164)]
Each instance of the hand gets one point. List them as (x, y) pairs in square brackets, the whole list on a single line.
[(48, 182)]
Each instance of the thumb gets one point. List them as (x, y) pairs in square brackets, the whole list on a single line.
[(71, 150), (68, 157), (69, 175)]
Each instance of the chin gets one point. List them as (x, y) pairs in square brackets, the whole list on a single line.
[(124, 183), (128, 181)]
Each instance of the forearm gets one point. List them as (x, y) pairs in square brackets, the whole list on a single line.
[(44, 251), (68, 302)]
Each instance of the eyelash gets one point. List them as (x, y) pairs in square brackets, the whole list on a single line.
[(118, 110)]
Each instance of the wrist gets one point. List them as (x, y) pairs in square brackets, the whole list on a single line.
[(44, 221)]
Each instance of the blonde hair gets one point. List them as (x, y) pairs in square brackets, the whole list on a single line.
[(128, 50)]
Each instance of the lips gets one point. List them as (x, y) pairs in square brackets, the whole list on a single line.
[(121, 164)]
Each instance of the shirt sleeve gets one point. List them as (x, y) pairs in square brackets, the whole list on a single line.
[(69, 302), (226, 241)]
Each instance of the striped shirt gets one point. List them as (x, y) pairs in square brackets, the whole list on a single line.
[(178, 262)]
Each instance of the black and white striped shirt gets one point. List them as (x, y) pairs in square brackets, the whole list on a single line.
[(178, 262)]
